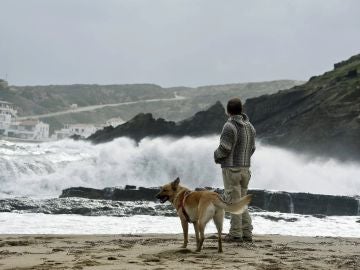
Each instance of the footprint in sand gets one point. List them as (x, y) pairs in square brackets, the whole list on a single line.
[(270, 260), (149, 258)]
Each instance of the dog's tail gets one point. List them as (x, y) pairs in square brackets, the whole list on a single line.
[(237, 207)]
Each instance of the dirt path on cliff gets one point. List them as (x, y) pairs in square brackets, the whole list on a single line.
[(96, 107)]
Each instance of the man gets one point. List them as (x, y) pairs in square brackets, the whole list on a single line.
[(237, 144)]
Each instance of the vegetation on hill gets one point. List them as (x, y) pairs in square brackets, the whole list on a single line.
[(321, 116), (34, 100)]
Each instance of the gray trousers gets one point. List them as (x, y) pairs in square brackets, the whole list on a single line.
[(236, 182)]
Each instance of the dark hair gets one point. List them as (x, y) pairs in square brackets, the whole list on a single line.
[(234, 106)]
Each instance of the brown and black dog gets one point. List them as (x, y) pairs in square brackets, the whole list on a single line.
[(198, 207)]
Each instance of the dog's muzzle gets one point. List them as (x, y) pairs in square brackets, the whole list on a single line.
[(162, 198)]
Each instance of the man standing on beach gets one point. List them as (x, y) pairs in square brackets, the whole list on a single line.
[(237, 144)]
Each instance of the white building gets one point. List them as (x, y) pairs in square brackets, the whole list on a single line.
[(29, 130), (3, 83), (34, 130), (115, 122), (82, 130), (7, 116), (61, 134)]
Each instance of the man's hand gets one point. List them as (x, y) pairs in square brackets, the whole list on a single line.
[(216, 159), (219, 156)]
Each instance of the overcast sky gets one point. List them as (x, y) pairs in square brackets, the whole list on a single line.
[(174, 42)]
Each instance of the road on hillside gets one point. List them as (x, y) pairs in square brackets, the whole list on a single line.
[(96, 107)]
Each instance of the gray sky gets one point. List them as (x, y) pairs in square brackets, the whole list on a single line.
[(174, 42)]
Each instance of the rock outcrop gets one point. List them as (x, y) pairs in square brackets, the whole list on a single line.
[(321, 116), (143, 125), (299, 203), (85, 207)]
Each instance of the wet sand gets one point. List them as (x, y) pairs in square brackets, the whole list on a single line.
[(163, 252)]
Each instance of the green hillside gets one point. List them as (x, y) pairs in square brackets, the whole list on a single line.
[(321, 116), (35, 100)]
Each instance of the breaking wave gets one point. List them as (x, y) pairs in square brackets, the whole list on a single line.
[(47, 168)]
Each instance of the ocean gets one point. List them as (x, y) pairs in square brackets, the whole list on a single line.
[(32, 177)]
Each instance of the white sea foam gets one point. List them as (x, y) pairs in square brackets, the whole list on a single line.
[(31, 223), (47, 168)]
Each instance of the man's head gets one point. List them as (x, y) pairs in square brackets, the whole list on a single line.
[(234, 106)]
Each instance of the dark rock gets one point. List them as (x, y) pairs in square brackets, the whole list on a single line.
[(147, 194), (306, 203), (320, 117), (143, 125), (260, 198), (352, 73), (127, 187), (81, 206), (137, 202), (253, 209), (83, 192), (76, 137), (347, 62), (272, 218), (300, 203), (319, 216), (280, 201)]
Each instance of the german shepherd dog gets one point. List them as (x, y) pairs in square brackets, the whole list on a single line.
[(198, 207)]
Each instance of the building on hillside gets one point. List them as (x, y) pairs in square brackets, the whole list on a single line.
[(3, 83), (114, 122), (61, 134), (10, 128), (7, 116), (82, 130), (33, 130)]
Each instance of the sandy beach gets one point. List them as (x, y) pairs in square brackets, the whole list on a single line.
[(164, 252)]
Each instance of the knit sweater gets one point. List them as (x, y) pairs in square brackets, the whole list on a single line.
[(237, 142)]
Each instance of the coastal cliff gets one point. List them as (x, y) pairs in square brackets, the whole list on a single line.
[(320, 117)]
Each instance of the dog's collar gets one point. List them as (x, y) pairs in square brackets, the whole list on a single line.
[(181, 206)]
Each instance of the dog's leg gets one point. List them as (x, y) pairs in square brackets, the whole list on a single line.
[(218, 220), (204, 218), (185, 227), (207, 211), (201, 228), (196, 228)]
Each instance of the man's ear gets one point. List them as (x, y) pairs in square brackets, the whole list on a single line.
[(175, 183)]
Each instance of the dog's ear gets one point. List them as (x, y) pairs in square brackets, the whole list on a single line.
[(175, 183)]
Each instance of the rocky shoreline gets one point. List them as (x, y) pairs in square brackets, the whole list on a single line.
[(285, 202)]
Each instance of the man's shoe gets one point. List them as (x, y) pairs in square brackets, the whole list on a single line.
[(231, 238), (247, 239)]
